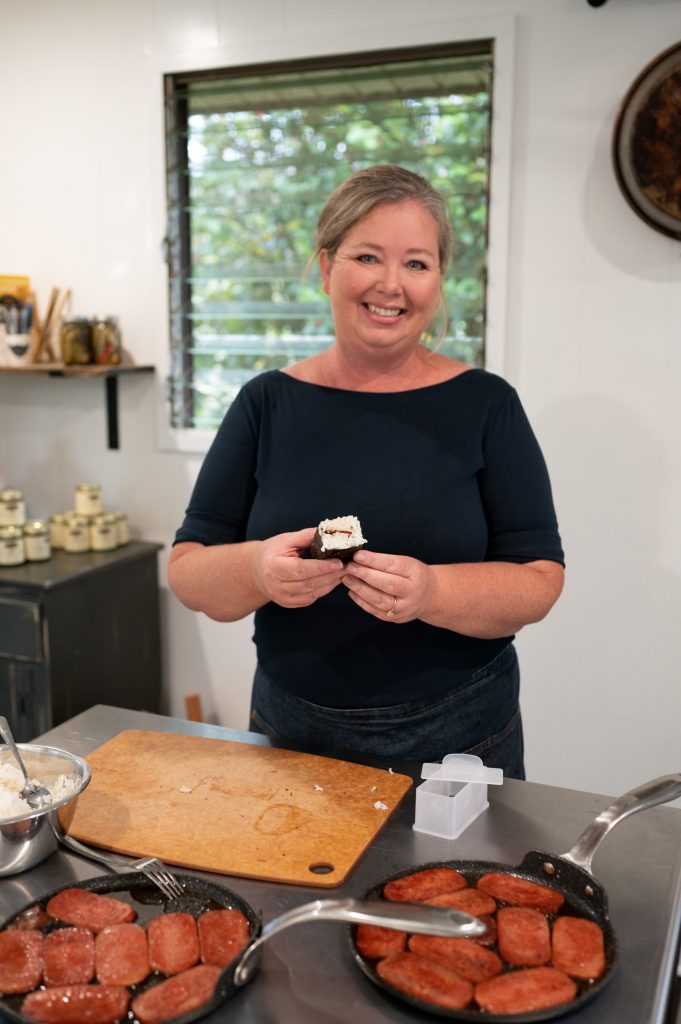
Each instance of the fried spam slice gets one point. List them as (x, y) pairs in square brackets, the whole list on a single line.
[(180, 994), (523, 936), (76, 1004), (376, 943), (535, 988), (464, 956), (519, 892), (578, 947), (426, 980), (421, 885)]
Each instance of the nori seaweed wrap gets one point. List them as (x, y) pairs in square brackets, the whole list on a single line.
[(337, 538)]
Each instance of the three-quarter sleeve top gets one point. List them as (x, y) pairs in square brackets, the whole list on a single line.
[(447, 473)]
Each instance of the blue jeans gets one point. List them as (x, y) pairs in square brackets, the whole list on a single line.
[(481, 716)]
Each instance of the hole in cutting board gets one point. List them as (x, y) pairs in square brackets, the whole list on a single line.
[(322, 869)]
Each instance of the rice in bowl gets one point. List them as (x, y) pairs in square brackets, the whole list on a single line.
[(12, 805)]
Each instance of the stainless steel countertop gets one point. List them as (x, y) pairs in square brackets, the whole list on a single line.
[(307, 976)]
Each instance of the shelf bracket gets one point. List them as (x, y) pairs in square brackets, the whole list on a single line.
[(112, 409)]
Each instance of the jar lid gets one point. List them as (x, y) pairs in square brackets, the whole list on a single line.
[(75, 520), (58, 517), (103, 519), (88, 487), (10, 495), (35, 527), (11, 532), (72, 318), (105, 318)]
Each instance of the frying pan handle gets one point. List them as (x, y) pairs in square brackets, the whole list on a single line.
[(401, 916), (658, 791)]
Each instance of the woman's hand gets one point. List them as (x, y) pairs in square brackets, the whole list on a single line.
[(289, 580), (229, 581), (478, 599), (394, 588)]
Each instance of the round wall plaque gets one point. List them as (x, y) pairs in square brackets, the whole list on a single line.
[(647, 143)]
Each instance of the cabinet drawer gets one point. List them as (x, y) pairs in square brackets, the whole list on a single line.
[(21, 634)]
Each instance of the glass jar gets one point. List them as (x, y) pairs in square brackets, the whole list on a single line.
[(37, 541), (12, 508), (75, 340), (57, 524), (122, 529), (103, 532), (88, 499), (106, 339), (76, 534), (12, 551)]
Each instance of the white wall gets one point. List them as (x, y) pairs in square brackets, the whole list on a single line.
[(591, 333)]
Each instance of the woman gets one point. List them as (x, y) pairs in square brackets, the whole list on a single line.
[(406, 651)]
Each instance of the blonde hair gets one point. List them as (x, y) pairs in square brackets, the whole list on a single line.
[(375, 186)]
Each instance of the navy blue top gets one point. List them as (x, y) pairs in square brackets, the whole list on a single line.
[(446, 473)]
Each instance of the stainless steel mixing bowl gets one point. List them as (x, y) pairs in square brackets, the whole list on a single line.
[(27, 840)]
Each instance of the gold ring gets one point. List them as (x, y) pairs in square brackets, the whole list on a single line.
[(392, 610)]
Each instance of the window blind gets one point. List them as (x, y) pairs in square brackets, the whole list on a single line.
[(252, 155)]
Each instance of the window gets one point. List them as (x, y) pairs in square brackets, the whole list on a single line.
[(252, 155)]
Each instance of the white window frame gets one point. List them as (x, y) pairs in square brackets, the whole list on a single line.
[(500, 29)]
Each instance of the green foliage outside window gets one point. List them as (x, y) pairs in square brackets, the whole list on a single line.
[(244, 196)]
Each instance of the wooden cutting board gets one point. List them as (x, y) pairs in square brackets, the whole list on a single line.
[(234, 808)]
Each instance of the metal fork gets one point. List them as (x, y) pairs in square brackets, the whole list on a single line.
[(158, 873), (153, 868)]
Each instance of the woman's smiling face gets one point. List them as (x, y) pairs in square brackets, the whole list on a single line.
[(384, 279)]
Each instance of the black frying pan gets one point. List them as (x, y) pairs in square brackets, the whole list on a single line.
[(570, 874), (134, 888), (201, 895)]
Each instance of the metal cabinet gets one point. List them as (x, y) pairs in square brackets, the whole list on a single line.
[(78, 630)]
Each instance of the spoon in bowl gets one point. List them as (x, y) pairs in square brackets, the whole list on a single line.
[(36, 796)]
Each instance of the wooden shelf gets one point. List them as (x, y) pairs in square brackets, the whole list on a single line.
[(110, 373)]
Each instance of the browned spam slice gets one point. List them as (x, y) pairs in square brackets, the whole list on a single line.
[(578, 947), (376, 943), (89, 909), (464, 956), (122, 955), (21, 961), (471, 901), (222, 935), (426, 980), (421, 885), (490, 936), (520, 893), (173, 943), (69, 955), (77, 1004), (535, 988), (523, 936), (175, 996)]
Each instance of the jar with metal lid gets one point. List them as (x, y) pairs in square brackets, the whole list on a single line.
[(103, 532), (57, 525), (12, 508), (12, 551), (75, 340), (37, 541), (76, 534), (106, 339), (122, 530), (88, 499)]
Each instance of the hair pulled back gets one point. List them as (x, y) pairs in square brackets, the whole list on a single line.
[(375, 186)]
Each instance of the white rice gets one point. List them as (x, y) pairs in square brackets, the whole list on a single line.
[(11, 784), (341, 533)]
